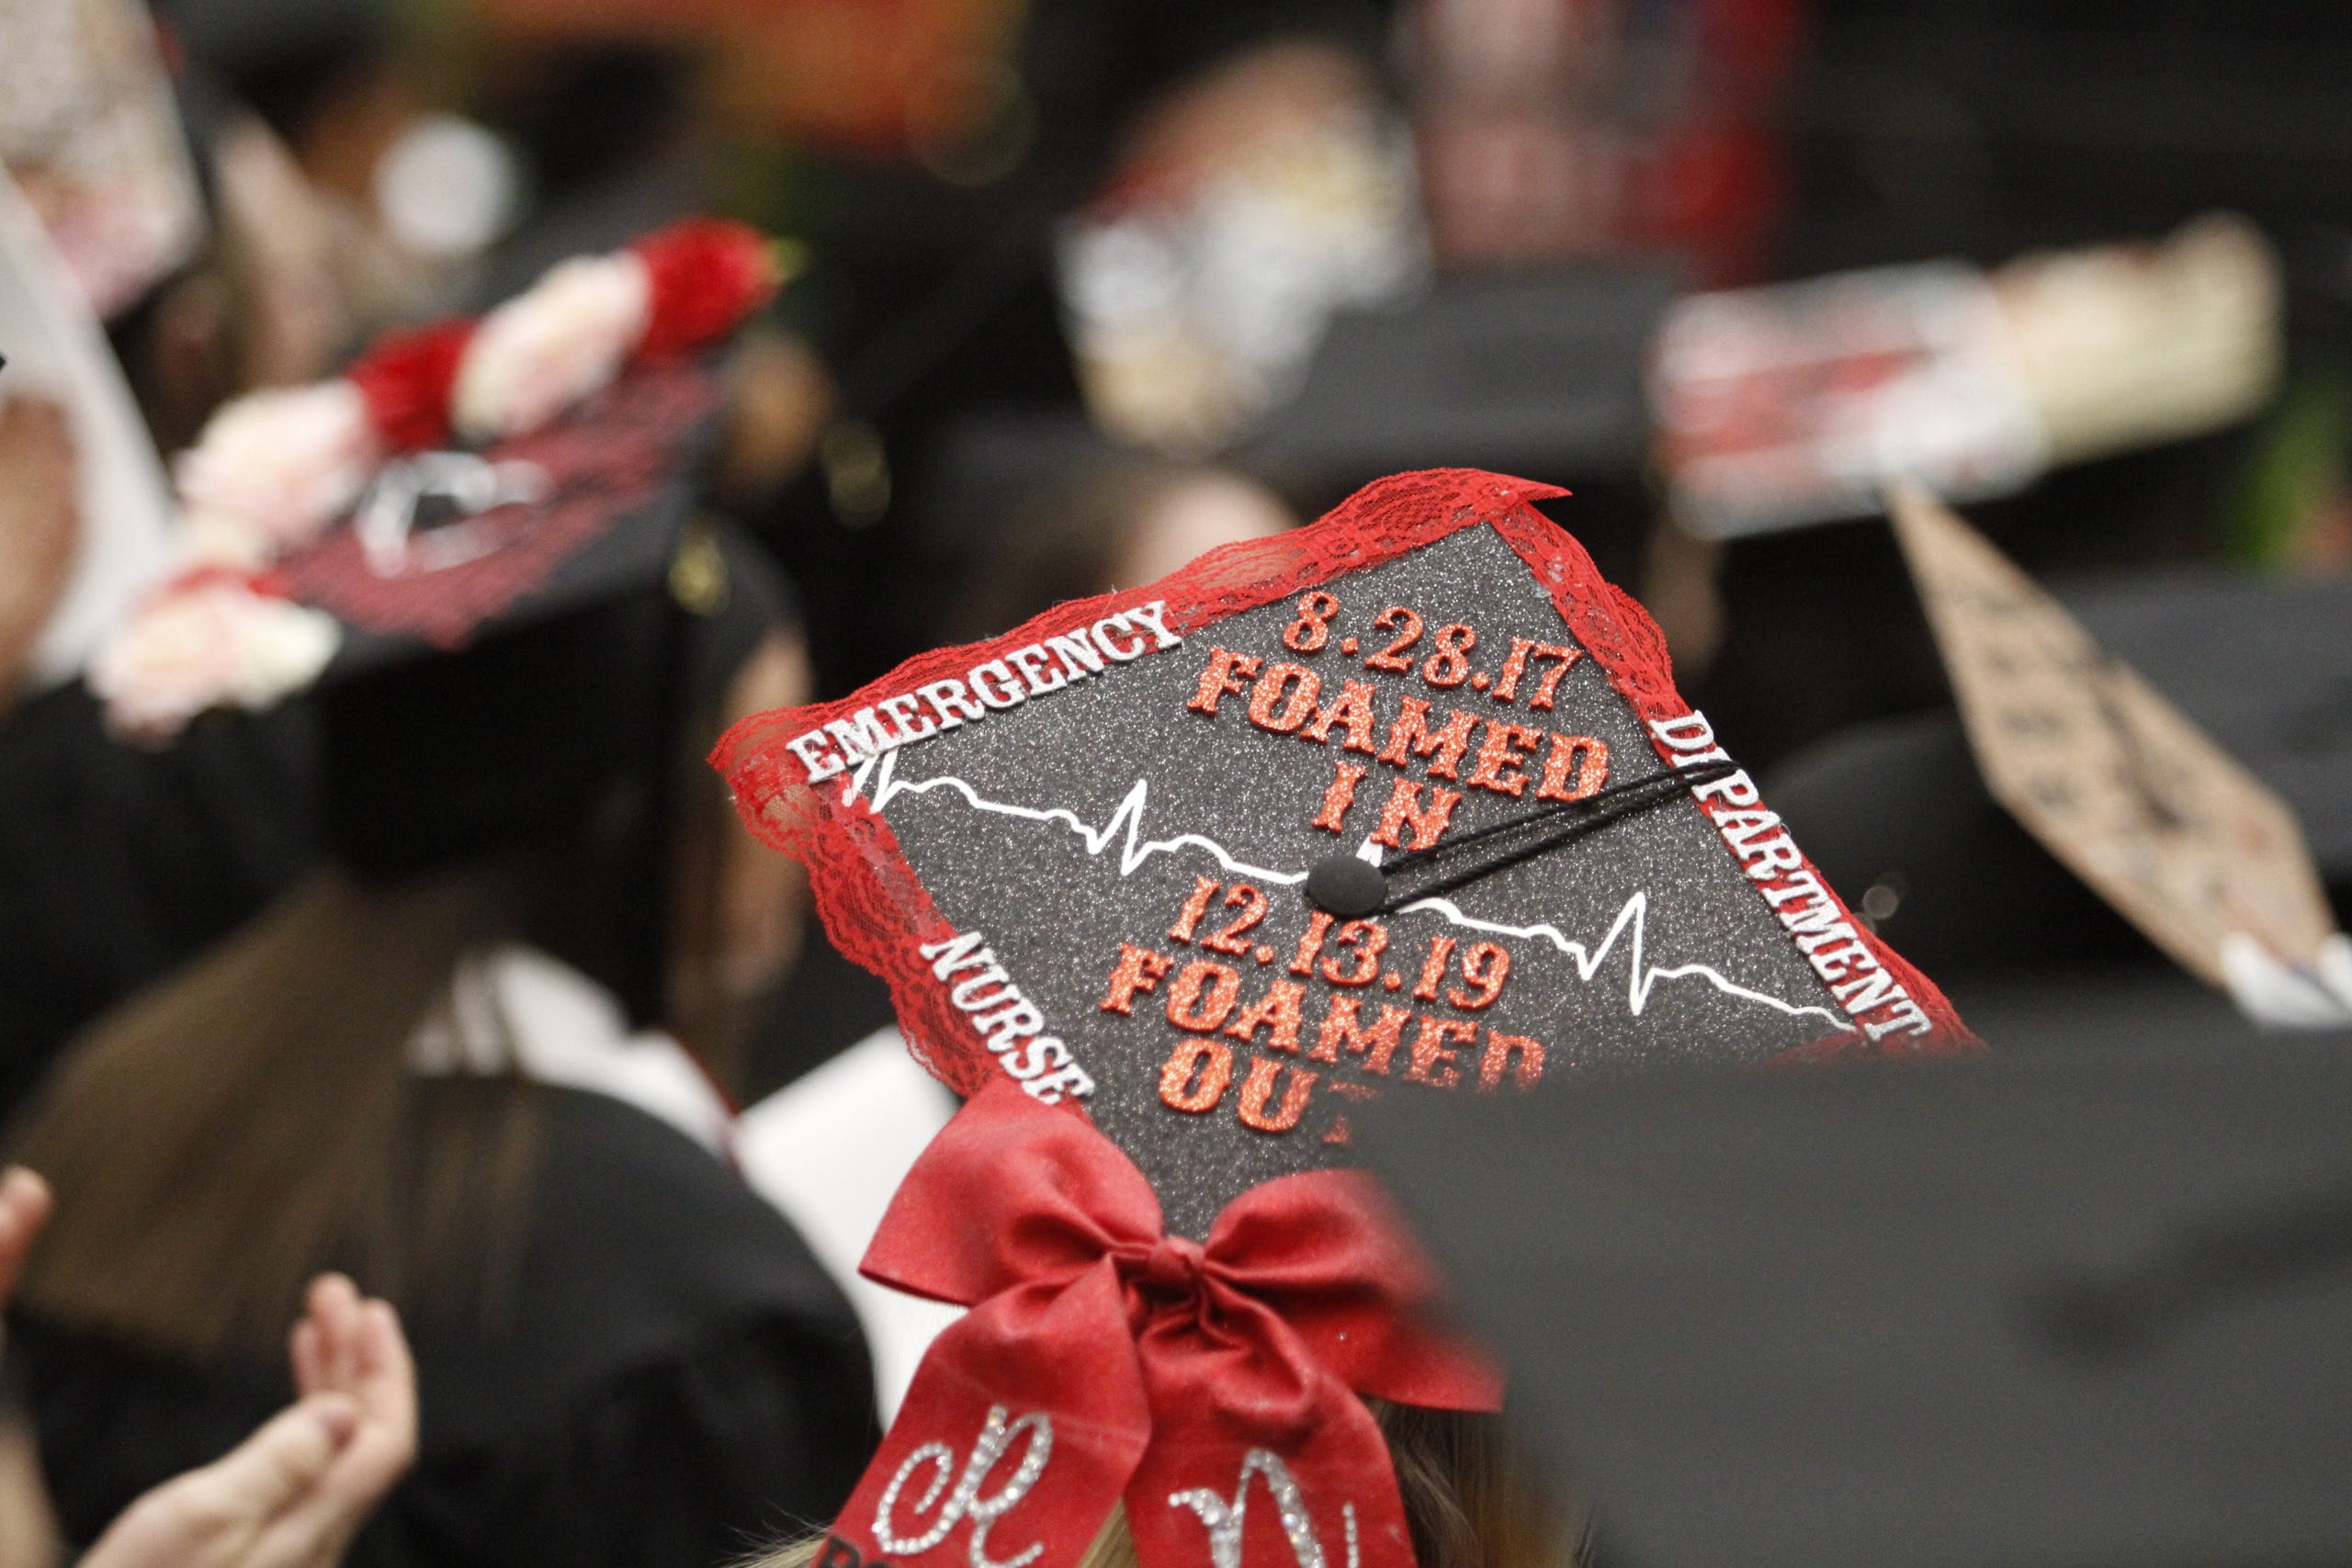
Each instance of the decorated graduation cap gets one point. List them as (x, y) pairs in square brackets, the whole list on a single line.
[(481, 543), (2046, 1310), (1402, 806), (457, 480)]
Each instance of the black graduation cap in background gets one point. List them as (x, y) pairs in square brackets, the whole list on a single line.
[(510, 642), (1127, 853), (613, 612), (1539, 370), (2085, 1308), (453, 547), (2264, 667), (506, 635), (1534, 372), (2261, 664), (524, 627)]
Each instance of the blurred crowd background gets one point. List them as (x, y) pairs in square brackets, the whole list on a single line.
[(1078, 288), (1082, 287)]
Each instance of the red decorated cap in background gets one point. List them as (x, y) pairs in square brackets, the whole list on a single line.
[(455, 480), (510, 491)]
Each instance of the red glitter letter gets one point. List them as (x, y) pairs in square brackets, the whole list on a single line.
[(1227, 674)]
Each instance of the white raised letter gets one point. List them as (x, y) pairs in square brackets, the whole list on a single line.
[(905, 710), (1010, 696), (1691, 732), (1153, 618), (1028, 661), (815, 752), (1103, 630)]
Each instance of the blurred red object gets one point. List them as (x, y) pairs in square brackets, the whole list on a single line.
[(884, 77), (1550, 129), (407, 379), (705, 275)]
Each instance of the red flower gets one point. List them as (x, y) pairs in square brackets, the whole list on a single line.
[(706, 275), (406, 381)]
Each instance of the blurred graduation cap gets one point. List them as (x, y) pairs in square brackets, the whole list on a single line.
[(2047, 1311), (2114, 780), (1895, 812), (448, 549), (2165, 823), (2262, 665), (560, 665), (1792, 404), (1403, 803), (457, 481), (488, 632), (495, 568), (1539, 372)]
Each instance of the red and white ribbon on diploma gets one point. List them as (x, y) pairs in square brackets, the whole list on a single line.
[(1212, 1386)]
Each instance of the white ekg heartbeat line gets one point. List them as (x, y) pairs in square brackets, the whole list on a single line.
[(1631, 922), (887, 787), (1634, 918)]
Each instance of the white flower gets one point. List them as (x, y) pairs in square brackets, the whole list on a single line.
[(285, 464), (541, 352), (211, 643), (223, 539), (286, 647)]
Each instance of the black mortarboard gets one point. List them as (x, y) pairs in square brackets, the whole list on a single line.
[(1541, 371), (459, 495), (495, 703), (498, 666), (1124, 853), (2086, 1308), (450, 548), (1897, 812), (519, 737), (435, 756), (2264, 667)]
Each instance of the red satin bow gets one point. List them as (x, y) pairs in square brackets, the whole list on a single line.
[(1210, 1385)]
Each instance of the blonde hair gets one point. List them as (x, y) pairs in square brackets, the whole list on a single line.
[(1469, 1499)]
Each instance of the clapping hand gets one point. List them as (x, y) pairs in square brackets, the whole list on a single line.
[(293, 1494)]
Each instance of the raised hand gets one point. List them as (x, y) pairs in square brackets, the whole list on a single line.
[(293, 1494), (354, 1348)]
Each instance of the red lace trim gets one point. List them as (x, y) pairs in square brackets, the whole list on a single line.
[(877, 911)]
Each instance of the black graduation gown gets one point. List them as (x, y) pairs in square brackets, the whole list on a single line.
[(680, 1381), (119, 863)]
